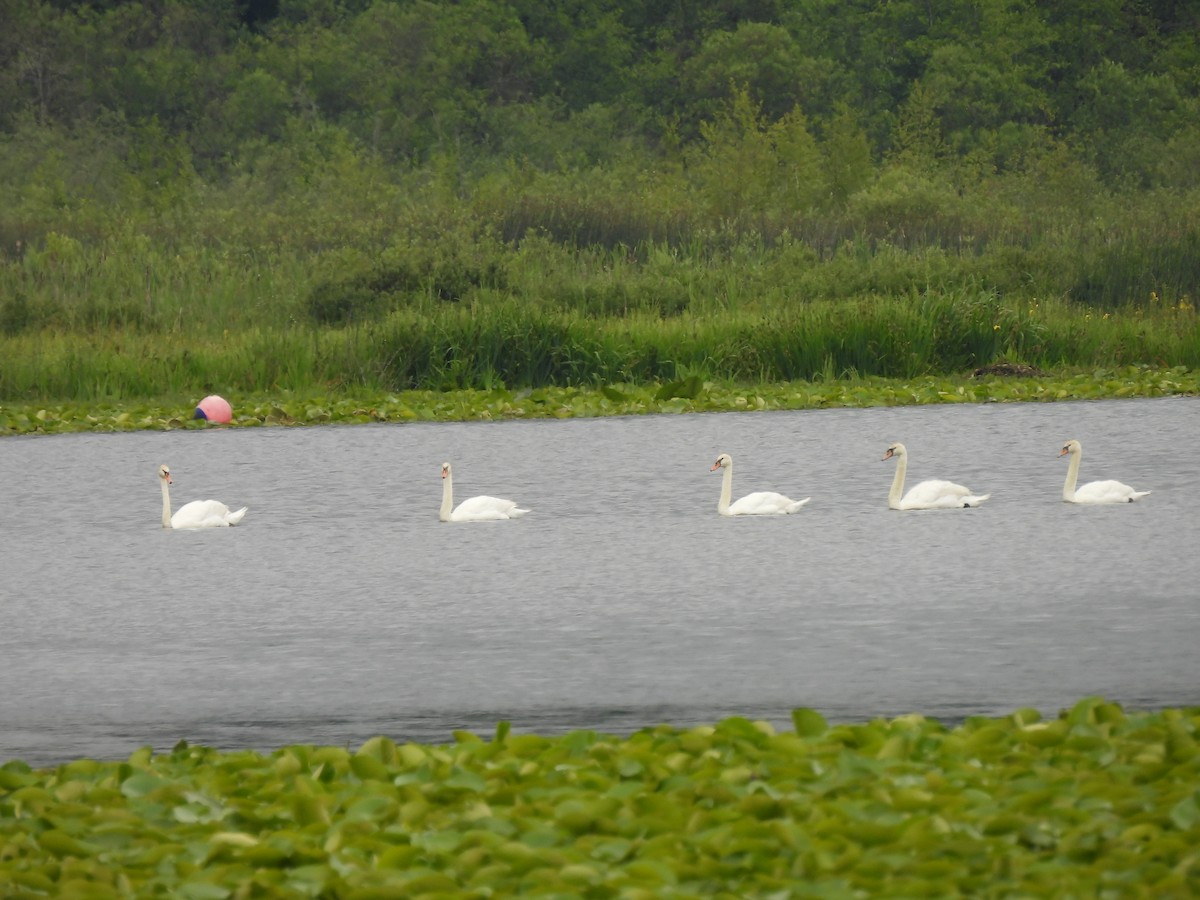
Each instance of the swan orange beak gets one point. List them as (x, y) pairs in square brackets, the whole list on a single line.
[(714, 467), (887, 455), (1063, 452)]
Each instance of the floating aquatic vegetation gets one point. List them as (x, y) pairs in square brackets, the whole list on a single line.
[(688, 395), (1096, 801)]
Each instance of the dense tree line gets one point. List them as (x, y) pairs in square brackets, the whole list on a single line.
[(988, 82), (320, 124), (398, 193)]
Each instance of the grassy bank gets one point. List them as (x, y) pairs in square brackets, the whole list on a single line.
[(690, 394), (1094, 802), (127, 320), (128, 332)]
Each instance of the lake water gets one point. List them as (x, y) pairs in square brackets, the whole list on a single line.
[(341, 608)]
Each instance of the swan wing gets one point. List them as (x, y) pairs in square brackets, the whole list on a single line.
[(1107, 492), (936, 494), (765, 503), (205, 514), (486, 509)]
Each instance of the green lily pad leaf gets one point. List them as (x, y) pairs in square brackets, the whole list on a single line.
[(466, 780), (1185, 814), (542, 837), (369, 809), (651, 872), (190, 813), (33, 879), (382, 749), (438, 842), (61, 844), (202, 890), (308, 810), (400, 857), (368, 768), (421, 883), (630, 768), (612, 851), (411, 755), (12, 778), (233, 839), (809, 722), (141, 784)]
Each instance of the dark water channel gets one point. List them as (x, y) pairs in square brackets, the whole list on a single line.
[(341, 608)]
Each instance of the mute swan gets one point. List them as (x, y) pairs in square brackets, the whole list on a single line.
[(761, 503), (476, 509), (928, 494), (1094, 491), (198, 513)]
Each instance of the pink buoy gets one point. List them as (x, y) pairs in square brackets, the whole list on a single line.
[(215, 409)]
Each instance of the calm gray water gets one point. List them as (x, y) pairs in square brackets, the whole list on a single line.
[(341, 608)]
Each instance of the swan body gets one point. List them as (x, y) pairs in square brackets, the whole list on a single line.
[(760, 503), (476, 509), (934, 494), (198, 513), (1093, 491)]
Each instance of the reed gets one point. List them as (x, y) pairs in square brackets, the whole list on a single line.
[(222, 299), (522, 345)]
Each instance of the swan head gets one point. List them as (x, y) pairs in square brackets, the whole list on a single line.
[(445, 470), (724, 461), (894, 450), (1070, 447), (165, 474)]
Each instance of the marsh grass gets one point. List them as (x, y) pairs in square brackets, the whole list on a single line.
[(128, 317), (514, 345)]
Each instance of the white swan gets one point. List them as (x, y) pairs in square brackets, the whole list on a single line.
[(1093, 491), (476, 509), (198, 513), (762, 503), (928, 494)]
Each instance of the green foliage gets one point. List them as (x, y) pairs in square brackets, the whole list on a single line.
[(1163, 269), (400, 195), (311, 407), (1095, 798)]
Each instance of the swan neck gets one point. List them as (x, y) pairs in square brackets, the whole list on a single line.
[(1072, 476), (897, 490), (166, 495), (447, 498), (726, 490)]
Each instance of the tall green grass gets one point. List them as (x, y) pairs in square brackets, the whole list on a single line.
[(222, 299), (510, 344)]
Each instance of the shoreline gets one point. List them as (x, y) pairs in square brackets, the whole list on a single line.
[(347, 406)]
